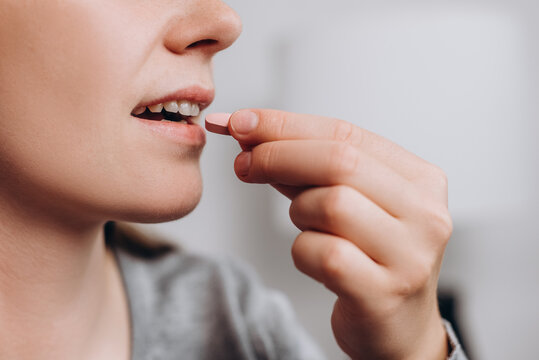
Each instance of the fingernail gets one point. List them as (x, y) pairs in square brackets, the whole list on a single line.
[(243, 122), (243, 163)]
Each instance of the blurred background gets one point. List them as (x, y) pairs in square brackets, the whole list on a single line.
[(453, 82)]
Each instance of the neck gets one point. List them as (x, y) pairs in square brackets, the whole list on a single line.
[(54, 284)]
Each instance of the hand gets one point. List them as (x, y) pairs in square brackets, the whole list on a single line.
[(374, 224)]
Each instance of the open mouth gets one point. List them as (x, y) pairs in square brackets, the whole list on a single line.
[(184, 112)]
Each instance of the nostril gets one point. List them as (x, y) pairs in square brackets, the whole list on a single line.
[(205, 42)]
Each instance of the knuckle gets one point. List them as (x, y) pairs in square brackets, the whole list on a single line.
[(297, 212), (267, 155), (297, 248), (346, 132), (273, 124), (332, 262), (280, 121), (300, 255), (344, 159), (439, 177), (293, 209), (440, 224), (334, 204)]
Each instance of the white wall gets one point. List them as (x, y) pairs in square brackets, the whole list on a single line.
[(453, 82)]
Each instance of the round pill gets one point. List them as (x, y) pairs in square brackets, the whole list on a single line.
[(218, 123)]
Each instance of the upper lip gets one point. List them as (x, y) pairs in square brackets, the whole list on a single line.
[(195, 94)]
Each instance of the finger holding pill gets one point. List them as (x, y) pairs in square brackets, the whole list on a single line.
[(251, 127)]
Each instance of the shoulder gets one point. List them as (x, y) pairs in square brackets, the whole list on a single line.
[(210, 302), (182, 303)]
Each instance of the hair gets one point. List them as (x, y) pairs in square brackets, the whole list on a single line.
[(136, 241)]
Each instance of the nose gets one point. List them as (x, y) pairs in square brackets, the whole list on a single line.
[(206, 26)]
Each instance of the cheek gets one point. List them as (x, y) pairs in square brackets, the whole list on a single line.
[(59, 86), (64, 116)]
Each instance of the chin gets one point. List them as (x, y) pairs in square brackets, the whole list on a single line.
[(161, 204), (158, 211)]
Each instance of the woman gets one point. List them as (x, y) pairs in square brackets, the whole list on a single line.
[(84, 86)]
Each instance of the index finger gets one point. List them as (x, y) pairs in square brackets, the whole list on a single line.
[(255, 126)]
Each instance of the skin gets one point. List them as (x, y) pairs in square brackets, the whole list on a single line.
[(74, 158)]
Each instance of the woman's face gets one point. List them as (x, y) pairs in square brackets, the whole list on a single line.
[(71, 74)]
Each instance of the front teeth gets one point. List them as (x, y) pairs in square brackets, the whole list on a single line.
[(195, 110), (171, 106), (185, 108), (156, 108), (188, 108)]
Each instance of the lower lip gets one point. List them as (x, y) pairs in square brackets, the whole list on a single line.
[(185, 134)]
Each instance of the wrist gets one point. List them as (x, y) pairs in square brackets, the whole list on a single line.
[(434, 344)]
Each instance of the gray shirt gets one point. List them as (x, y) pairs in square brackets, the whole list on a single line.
[(184, 306)]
